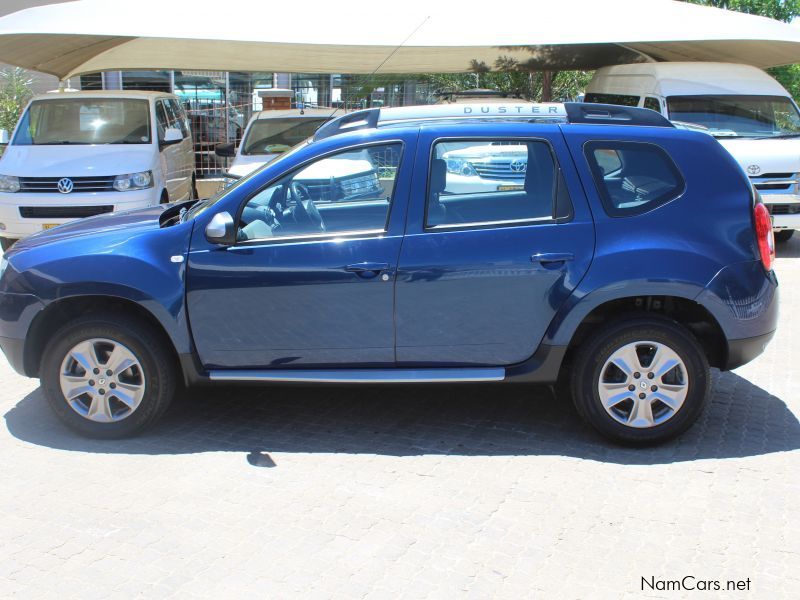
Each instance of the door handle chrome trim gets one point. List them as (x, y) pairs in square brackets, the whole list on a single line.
[(551, 257), (367, 266)]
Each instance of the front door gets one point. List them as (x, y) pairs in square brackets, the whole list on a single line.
[(311, 280), (498, 236)]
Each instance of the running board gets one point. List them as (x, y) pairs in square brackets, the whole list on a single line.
[(362, 375)]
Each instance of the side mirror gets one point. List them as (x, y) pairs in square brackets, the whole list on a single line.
[(4, 137), (220, 229), (225, 150), (172, 135)]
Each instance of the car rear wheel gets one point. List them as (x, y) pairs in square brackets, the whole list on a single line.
[(641, 381), (784, 235), (107, 376), (6, 243)]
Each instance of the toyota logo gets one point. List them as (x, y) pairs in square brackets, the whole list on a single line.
[(65, 185), (754, 169), (518, 165)]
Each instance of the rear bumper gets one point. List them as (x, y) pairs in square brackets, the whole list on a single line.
[(741, 352)]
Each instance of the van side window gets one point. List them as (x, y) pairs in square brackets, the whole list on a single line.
[(475, 182), (652, 104), (620, 99), (633, 177), (162, 122)]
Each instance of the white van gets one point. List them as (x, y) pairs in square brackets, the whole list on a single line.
[(270, 133), (78, 154), (749, 112)]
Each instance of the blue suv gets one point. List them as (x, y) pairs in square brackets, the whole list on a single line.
[(596, 248)]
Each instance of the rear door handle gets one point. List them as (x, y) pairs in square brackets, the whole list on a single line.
[(548, 258), (367, 270)]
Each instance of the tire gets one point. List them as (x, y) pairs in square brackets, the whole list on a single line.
[(6, 243), (784, 235), (685, 388), (148, 385)]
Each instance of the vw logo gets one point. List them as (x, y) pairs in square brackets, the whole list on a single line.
[(518, 165), (754, 169), (65, 185)]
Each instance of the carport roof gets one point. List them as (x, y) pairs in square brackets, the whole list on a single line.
[(324, 37)]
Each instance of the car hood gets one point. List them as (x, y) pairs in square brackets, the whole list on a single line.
[(118, 224), (247, 163), (69, 160), (761, 157)]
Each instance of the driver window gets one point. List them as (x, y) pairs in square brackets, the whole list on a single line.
[(346, 192)]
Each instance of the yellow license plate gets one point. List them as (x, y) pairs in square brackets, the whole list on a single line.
[(49, 225), (510, 188)]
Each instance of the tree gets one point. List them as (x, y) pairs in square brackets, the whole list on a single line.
[(15, 91)]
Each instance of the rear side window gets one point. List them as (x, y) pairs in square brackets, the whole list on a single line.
[(633, 177), (620, 99), (479, 182), (652, 104)]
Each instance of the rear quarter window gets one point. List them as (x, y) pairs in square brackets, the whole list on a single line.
[(633, 177)]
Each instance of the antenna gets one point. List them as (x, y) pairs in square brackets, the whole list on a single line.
[(371, 76)]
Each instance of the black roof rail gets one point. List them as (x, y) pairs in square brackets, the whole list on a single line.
[(360, 119), (613, 114)]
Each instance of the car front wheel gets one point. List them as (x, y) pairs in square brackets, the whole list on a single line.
[(641, 381), (107, 376)]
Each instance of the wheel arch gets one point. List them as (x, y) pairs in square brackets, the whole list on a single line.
[(680, 308), (61, 311)]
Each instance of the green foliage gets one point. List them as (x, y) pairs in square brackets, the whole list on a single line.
[(781, 10), (15, 91)]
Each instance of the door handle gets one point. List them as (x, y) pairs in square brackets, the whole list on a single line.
[(367, 270), (548, 259)]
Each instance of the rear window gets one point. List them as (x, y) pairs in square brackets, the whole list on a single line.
[(633, 177), (620, 99)]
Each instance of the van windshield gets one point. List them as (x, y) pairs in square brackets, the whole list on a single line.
[(271, 136), (85, 121), (737, 116)]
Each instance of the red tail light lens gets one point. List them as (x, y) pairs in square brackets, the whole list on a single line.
[(766, 240)]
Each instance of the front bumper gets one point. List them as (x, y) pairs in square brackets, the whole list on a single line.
[(13, 225), (17, 312), (784, 209)]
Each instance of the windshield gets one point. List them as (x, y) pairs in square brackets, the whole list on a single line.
[(737, 116), (85, 121), (270, 136), (203, 205)]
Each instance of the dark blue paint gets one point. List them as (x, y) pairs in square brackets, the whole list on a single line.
[(453, 297)]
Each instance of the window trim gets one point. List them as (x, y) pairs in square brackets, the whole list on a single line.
[(558, 176), (322, 236), (602, 191)]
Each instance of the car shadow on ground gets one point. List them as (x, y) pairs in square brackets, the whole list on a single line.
[(790, 249), (474, 420)]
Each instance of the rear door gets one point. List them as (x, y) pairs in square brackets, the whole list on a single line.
[(498, 235)]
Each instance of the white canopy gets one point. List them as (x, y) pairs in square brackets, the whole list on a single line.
[(312, 36)]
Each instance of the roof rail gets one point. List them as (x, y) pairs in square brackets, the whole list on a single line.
[(569, 112), (613, 114)]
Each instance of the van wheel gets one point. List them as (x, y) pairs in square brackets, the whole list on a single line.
[(784, 235), (164, 197), (641, 381), (6, 243), (107, 376)]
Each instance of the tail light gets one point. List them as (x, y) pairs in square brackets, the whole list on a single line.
[(766, 240)]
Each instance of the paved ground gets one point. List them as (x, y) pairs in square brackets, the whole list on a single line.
[(406, 492)]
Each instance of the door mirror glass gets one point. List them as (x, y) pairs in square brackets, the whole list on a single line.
[(172, 135), (225, 150), (220, 229), (4, 138)]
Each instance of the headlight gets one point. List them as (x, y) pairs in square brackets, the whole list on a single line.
[(133, 181), (9, 183), (460, 167)]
